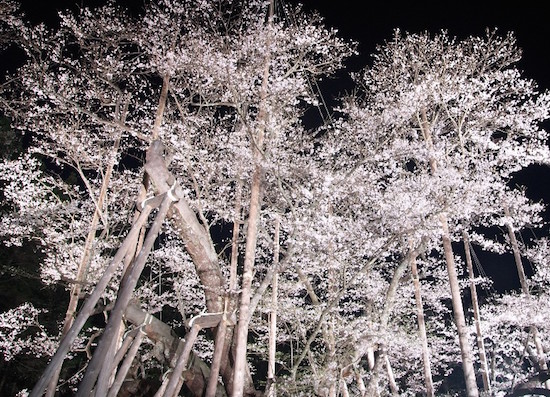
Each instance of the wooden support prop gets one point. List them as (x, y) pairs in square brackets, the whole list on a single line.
[(90, 303)]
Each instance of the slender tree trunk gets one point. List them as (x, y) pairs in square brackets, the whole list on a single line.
[(475, 304), (372, 386), (222, 343), (162, 334), (246, 290), (360, 384), (384, 318), (422, 331), (87, 252), (131, 354), (82, 270), (224, 334), (391, 377), (88, 307), (217, 357), (458, 310), (173, 384), (540, 354), (525, 290), (332, 364), (272, 391), (231, 301), (388, 307), (99, 359), (517, 254), (344, 391), (257, 143), (235, 238), (161, 106), (330, 343)]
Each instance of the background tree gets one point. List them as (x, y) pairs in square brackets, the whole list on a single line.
[(444, 108)]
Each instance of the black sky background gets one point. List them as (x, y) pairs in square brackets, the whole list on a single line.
[(371, 24)]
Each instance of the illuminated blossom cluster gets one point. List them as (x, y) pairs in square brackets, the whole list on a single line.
[(210, 99)]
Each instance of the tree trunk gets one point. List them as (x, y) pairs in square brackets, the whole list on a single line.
[(540, 354), (98, 365), (344, 392), (257, 143), (458, 311), (81, 273), (172, 346), (391, 377), (386, 311), (90, 303), (272, 389), (360, 384), (174, 382), (124, 368), (422, 331), (196, 238), (246, 289), (517, 254), (372, 387), (475, 304), (525, 290)]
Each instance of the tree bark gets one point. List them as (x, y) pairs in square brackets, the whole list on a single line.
[(458, 310), (430, 392), (257, 143), (475, 304)]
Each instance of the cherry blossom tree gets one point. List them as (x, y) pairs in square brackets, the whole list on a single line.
[(457, 119), (191, 112), (212, 84)]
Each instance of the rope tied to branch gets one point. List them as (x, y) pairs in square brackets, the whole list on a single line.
[(172, 194), (146, 321)]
